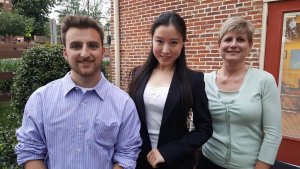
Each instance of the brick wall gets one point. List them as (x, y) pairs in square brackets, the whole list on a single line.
[(203, 19)]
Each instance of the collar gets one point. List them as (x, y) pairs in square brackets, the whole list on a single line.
[(100, 88)]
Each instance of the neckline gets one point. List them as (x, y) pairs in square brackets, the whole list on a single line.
[(234, 91), (239, 91)]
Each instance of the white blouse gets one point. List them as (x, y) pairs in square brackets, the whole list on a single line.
[(154, 99)]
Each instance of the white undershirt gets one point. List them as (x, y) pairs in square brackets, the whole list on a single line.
[(84, 89), (154, 99)]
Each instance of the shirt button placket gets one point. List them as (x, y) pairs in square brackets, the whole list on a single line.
[(227, 158)]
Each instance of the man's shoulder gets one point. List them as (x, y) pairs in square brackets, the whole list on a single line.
[(117, 91), (50, 86)]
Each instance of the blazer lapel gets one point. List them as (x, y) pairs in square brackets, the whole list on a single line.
[(172, 98), (140, 102)]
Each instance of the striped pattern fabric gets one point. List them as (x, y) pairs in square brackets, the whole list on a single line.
[(72, 129)]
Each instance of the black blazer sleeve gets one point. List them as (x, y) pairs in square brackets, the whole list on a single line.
[(194, 139)]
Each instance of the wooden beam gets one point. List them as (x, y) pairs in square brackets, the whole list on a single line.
[(4, 97), (10, 54), (6, 75)]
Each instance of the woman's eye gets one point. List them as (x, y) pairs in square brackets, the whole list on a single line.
[(241, 40), (174, 43), (159, 41), (227, 40)]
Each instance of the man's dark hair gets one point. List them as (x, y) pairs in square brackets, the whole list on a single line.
[(78, 21)]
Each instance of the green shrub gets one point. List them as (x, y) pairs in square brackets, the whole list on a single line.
[(39, 65), (105, 69), (7, 65), (8, 124)]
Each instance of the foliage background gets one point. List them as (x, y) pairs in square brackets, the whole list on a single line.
[(13, 24)]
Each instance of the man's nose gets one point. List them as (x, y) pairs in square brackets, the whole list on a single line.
[(85, 52)]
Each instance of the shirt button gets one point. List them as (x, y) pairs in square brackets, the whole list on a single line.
[(79, 126), (78, 150)]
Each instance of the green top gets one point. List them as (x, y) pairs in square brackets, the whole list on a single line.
[(246, 123)]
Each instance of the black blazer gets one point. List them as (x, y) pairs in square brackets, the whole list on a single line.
[(175, 143)]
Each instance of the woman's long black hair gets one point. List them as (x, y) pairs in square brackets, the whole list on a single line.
[(142, 73)]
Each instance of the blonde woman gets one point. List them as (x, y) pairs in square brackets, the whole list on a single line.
[(245, 106)]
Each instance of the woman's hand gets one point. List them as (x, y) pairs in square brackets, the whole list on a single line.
[(154, 157), (262, 165)]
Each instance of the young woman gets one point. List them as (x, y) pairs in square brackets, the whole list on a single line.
[(164, 91), (245, 106)]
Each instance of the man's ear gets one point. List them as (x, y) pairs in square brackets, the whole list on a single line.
[(65, 53), (103, 52)]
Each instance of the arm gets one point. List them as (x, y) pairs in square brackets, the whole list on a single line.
[(117, 166), (129, 141), (193, 140), (271, 120), (31, 139), (262, 165), (35, 164)]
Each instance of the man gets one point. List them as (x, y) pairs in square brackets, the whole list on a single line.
[(80, 121)]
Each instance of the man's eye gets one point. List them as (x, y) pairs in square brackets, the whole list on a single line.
[(93, 46), (75, 46)]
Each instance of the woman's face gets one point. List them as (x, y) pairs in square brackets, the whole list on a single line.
[(234, 47), (167, 45)]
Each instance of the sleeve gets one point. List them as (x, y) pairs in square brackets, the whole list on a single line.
[(202, 122), (129, 141), (271, 120), (30, 136)]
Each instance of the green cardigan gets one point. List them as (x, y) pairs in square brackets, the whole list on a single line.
[(249, 127)]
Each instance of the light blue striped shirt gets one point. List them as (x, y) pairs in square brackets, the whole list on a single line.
[(70, 129)]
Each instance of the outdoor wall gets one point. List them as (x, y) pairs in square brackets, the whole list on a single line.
[(203, 19)]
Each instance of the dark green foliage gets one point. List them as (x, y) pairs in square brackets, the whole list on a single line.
[(13, 24), (105, 69), (38, 10), (94, 8), (7, 65), (39, 65), (9, 123)]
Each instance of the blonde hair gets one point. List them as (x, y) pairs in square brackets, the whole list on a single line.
[(238, 25)]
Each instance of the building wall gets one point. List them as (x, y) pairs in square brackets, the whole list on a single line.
[(203, 19)]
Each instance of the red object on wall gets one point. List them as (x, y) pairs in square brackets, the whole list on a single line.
[(289, 150)]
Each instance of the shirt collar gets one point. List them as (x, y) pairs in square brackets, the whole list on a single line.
[(100, 88)]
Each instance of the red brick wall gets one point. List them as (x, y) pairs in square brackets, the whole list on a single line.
[(203, 19)]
